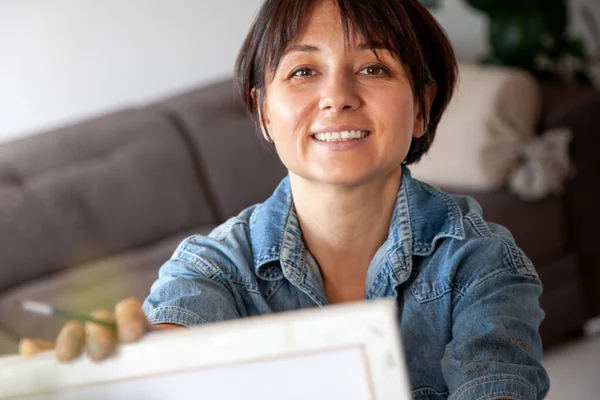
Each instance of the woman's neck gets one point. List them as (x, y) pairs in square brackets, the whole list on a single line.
[(343, 227)]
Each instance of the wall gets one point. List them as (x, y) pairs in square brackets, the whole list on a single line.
[(66, 60)]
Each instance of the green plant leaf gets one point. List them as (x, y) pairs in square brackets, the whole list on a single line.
[(509, 6), (430, 3), (576, 48), (515, 39)]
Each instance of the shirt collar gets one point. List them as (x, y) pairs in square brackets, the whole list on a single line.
[(422, 216)]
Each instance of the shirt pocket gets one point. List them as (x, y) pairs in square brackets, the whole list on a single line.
[(425, 290)]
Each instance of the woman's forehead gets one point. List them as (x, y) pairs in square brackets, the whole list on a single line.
[(324, 19)]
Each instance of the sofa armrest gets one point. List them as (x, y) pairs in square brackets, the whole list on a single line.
[(578, 108)]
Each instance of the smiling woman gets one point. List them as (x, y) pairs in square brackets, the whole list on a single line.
[(345, 97), (347, 93)]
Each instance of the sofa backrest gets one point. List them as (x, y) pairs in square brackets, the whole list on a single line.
[(238, 168), (93, 189)]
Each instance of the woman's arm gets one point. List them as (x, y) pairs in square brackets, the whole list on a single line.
[(495, 347)]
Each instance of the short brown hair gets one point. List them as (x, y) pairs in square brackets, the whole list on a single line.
[(405, 27)]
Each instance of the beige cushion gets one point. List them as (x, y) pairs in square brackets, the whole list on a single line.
[(494, 111), (8, 343)]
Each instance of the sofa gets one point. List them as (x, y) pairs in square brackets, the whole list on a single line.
[(90, 211)]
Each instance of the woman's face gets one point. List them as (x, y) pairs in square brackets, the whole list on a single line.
[(337, 114)]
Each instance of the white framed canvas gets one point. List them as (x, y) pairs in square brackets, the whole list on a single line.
[(351, 351)]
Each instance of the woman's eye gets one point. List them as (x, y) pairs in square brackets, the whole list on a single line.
[(303, 72), (374, 70)]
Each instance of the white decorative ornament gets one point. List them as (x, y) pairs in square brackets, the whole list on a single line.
[(545, 166)]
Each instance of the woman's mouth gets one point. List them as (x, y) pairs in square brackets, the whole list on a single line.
[(330, 137)]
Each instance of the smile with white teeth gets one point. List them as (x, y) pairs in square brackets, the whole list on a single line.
[(340, 136)]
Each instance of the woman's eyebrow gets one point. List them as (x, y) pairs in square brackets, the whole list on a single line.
[(307, 48), (304, 48)]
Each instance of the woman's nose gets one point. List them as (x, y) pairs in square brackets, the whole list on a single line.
[(339, 94)]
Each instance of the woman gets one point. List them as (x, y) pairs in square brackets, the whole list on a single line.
[(348, 92)]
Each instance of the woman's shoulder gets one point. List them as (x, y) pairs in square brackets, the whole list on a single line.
[(484, 252), (476, 246), (460, 214), (226, 248), (244, 242), (488, 248)]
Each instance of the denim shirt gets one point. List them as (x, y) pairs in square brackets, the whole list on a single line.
[(467, 296)]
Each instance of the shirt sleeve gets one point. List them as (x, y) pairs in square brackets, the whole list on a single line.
[(496, 351), (192, 287)]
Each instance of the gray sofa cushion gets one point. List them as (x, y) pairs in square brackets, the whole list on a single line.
[(98, 285), (93, 189), (238, 168)]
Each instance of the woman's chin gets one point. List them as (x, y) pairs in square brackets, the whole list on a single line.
[(343, 178), (350, 176)]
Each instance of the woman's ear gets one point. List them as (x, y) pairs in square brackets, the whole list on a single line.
[(263, 118), (422, 118)]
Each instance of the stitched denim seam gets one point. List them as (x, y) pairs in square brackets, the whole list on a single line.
[(437, 294), (182, 245), (481, 229), (453, 213), (246, 286), (406, 238), (500, 395), (174, 309), (428, 390), (292, 263), (254, 214), (174, 321), (270, 256), (492, 379), (281, 283), (509, 264), (198, 262), (225, 229), (217, 275), (314, 296), (448, 287), (486, 278), (517, 263)]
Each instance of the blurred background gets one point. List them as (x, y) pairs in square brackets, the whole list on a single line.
[(120, 135), (64, 60)]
